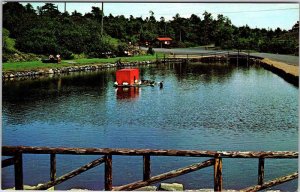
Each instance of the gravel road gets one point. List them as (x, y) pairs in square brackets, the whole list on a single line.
[(289, 59)]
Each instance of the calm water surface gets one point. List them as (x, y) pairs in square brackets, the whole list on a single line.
[(201, 107)]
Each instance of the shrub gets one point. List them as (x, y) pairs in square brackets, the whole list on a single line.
[(17, 57), (79, 56), (150, 51), (66, 54), (122, 47)]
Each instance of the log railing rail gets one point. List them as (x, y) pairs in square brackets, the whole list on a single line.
[(211, 56), (216, 161)]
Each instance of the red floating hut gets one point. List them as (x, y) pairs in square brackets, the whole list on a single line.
[(128, 77)]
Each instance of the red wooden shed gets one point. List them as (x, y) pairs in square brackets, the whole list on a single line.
[(130, 76), (164, 41)]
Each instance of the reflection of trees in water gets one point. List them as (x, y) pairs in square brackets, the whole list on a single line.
[(210, 72), (20, 97), (153, 71), (43, 89)]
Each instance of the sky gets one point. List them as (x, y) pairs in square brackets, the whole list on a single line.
[(260, 15)]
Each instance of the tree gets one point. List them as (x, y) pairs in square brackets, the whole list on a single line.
[(13, 14), (8, 43), (208, 29), (97, 13), (49, 10), (152, 18), (46, 30), (29, 8), (179, 25), (162, 30), (39, 41), (223, 32)]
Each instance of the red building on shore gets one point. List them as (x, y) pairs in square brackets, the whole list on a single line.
[(164, 41)]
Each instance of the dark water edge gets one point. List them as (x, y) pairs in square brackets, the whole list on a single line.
[(294, 80), (202, 106)]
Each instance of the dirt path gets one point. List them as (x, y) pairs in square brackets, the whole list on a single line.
[(288, 59), (290, 69)]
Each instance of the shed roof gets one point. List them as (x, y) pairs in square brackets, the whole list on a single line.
[(127, 69), (164, 38)]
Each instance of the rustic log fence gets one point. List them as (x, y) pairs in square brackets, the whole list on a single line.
[(216, 161)]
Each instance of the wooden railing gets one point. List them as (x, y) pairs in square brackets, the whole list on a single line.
[(216, 160), (239, 57)]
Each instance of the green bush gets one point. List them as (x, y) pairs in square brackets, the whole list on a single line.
[(122, 47), (66, 54), (190, 44), (17, 57), (79, 56), (8, 43), (150, 51), (4, 58)]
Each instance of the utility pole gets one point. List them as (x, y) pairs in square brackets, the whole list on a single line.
[(180, 35), (65, 6), (102, 20)]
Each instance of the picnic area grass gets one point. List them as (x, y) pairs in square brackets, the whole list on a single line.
[(36, 65)]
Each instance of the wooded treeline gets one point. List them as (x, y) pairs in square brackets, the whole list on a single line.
[(48, 31)]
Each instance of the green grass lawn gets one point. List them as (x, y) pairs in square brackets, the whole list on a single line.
[(35, 65)]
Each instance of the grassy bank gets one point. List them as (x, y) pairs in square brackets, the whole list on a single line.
[(36, 65)]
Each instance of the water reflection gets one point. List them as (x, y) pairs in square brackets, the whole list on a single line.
[(127, 92), (49, 88), (211, 72)]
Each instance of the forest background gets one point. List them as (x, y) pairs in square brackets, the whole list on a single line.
[(30, 34)]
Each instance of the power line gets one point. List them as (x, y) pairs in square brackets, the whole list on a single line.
[(256, 10), (245, 11)]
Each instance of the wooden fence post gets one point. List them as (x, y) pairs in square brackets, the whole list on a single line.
[(248, 56), (147, 167), (237, 59), (228, 57), (18, 171), (218, 173), (187, 58), (52, 167), (261, 170), (108, 173)]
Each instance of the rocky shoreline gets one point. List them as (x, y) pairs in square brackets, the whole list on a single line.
[(65, 70), (161, 187)]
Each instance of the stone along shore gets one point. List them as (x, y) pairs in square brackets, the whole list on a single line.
[(161, 187), (64, 70)]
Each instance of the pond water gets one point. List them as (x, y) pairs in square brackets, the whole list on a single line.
[(200, 107)]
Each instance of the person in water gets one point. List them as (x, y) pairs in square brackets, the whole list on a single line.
[(161, 85)]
